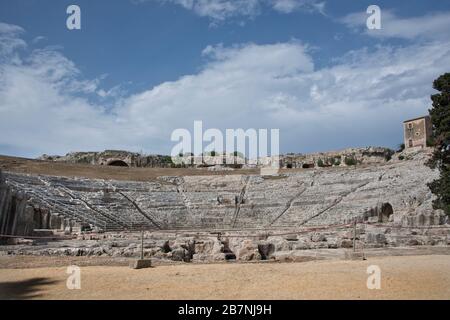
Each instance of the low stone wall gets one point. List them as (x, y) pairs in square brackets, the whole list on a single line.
[(241, 246)]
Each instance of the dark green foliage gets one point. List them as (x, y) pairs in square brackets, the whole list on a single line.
[(440, 118), (401, 158), (441, 188), (430, 142), (167, 159), (350, 161), (401, 147), (320, 163)]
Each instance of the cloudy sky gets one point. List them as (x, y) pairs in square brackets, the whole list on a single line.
[(138, 69)]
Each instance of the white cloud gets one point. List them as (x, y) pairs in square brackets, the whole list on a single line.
[(39, 39), (288, 6), (220, 10), (361, 100), (430, 26), (10, 41)]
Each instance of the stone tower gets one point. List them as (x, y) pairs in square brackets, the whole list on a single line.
[(417, 132)]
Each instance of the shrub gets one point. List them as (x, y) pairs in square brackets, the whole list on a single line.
[(320, 163), (350, 161), (166, 159)]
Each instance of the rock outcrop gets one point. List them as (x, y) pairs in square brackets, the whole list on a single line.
[(350, 156), (241, 246), (228, 217), (346, 157), (113, 158)]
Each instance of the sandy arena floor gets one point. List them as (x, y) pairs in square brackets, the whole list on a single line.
[(405, 277)]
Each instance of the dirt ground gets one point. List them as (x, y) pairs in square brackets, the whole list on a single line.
[(402, 277), (31, 166)]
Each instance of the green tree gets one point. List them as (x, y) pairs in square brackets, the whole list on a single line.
[(440, 119)]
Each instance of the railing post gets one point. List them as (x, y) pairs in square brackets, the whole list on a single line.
[(142, 245)]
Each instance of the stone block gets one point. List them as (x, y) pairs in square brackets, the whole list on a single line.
[(351, 255), (140, 264)]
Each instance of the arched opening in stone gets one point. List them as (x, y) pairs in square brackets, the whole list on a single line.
[(266, 250), (166, 247), (229, 255), (308, 165), (118, 163), (385, 212)]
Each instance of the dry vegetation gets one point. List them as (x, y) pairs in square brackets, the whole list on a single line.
[(31, 166)]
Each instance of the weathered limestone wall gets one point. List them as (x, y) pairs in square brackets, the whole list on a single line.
[(14, 216), (18, 215), (325, 196), (240, 245), (369, 155), (108, 157), (294, 216)]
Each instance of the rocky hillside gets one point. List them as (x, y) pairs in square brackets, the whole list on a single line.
[(305, 197)]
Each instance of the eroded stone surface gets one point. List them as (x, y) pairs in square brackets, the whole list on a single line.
[(233, 245), (393, 194)]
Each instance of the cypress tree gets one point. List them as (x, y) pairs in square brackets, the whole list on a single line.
[(440, 119)]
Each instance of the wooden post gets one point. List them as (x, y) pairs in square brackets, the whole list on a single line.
[(354, 235), (142, 245)]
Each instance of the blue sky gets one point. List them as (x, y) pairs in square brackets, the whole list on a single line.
[(139, 69)]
